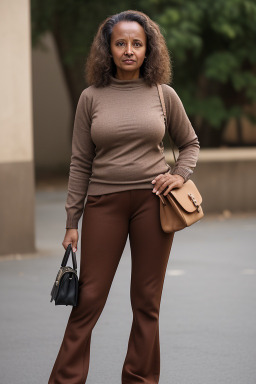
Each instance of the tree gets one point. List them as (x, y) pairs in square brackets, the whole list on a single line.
[(213, 51)]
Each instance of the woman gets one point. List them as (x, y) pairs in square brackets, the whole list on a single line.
[(117, 161)]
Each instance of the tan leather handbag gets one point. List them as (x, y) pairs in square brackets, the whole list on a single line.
[(181, 207)]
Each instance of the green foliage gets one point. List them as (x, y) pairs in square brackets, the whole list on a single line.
[(220, 65), (212, 46)]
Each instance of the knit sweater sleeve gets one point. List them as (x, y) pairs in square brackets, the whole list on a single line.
[(83, 152), (182, 133)]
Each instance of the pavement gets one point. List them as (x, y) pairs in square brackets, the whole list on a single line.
[(207, 317)]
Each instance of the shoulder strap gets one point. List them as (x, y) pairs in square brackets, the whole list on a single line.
[(161, 96)]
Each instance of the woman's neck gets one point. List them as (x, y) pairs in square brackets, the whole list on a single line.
[(127, 75)]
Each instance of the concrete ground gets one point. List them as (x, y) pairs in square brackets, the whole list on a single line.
[(208, 312)]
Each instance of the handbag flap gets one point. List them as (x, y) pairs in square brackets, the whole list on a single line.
[(187, 196)]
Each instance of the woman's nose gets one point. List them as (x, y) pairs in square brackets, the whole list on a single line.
[(129, 49)]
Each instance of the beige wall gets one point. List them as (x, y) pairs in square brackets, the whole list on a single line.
[(226, 179), (52, 111), (16, 135)]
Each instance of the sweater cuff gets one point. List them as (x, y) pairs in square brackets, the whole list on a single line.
[(71, 223), (182, 171)]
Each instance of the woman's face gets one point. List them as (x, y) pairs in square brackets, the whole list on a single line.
[(128, 48)]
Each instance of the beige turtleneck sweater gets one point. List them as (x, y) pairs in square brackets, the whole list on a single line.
[(116, 141)]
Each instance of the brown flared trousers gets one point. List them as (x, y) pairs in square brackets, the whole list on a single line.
[(107, 221)]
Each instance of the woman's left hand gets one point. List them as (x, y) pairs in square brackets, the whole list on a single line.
[(165, 180)]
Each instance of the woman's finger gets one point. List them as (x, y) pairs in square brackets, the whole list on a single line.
[(170, 187), (177, 183), (157, 178), (160, 179), (163, 185)]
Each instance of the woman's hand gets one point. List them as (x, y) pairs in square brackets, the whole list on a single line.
[(71, 236), (168, 181)]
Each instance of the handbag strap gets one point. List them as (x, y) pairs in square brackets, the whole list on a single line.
[(66, 256), (161, 96)]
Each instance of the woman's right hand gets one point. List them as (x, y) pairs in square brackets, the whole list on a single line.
[(71, 236)]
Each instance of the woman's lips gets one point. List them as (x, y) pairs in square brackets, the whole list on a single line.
[(128, 61)]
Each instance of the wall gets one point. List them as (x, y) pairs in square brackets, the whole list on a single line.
[(226, 178), (16, 135), (52, 110)]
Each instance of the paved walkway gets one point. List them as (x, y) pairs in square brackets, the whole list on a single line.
[(208, 312)]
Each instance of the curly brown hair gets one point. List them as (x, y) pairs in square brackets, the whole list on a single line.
[(156, 67)]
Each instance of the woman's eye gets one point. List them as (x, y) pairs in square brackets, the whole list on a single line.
[(122, 43)]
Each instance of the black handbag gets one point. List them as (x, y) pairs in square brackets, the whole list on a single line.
[(65, 287)]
